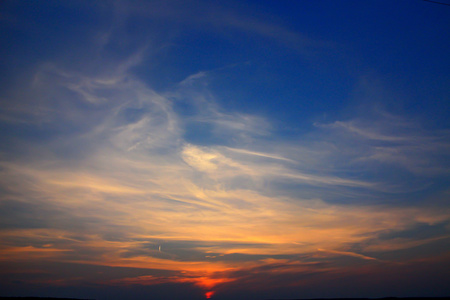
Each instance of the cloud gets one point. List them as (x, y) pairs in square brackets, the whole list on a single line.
[(401, 243), (393, 140), (216, 17), (260, 154), (334, 252), (156, 184)]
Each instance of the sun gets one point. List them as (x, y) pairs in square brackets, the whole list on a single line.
[(209, 294)]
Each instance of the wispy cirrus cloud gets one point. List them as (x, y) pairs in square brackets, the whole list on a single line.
[(133, 178)]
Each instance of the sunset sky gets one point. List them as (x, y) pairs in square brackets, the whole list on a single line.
[(224, 149)]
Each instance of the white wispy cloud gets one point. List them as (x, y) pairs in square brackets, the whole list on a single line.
[(138, 176), (391, 140)]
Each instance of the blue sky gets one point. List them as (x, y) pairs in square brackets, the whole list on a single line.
[(252, 149)]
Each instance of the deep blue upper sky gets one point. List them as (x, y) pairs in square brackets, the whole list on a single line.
[(401, 46)]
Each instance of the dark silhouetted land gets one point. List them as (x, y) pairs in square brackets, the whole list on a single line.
[(386, 298), (39, 298)]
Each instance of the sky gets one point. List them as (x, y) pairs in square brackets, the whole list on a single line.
[(224, 149)]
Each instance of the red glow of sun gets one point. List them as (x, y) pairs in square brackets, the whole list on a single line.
[(209, 294)]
